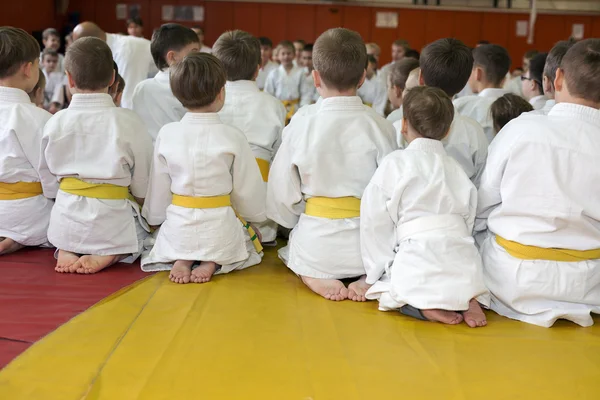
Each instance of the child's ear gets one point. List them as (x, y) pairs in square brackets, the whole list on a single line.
[(70, 79), (27, 69), (362, 80), (404, 130), (421, 79), (170, 57), (316, 78), (559, 80), (478, 74)]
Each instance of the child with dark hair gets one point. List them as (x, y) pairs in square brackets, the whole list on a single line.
[(507, 108), (532, 82)]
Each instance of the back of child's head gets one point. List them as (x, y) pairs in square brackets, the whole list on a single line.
[(17, 47), (197, 80), (413, 79), (507, 108), (37, 93), (429, 111), (412, 53), (536, 69), (170, 37), (400, 70), (265, 42), (446, 64), (89, 62), (340, 57), (554, 59), (581, 68), (239, 52), (493, 60)]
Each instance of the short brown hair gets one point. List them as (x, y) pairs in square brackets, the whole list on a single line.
[(89, 61), (507, 108), (287, 44), (239, 52), (197, 80), (400, 70), (49, 52), (429, 111), (49, 32), (555, 58), (17, 47), (446, 64), (401, 43), (581, 66), (494, 60), (340, 57)]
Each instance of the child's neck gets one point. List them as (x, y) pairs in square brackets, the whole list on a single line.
[(14, 83), (327, 93), (75, 90), (209, 109), (488, 85)]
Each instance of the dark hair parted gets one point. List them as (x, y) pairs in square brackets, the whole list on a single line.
[(494, 60), (17, 47), (555, 58), (400, 70), (446, 64), (197, 80), (239, 52), (170, 37), (89, 61), (429, 111), (507, 108), (340, 57), (581, 66)]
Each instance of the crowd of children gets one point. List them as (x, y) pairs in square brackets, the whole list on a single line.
[(452, 203)]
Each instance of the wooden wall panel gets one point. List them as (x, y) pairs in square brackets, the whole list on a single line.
[(412, 27), (358, 19), (595, 31), (517, 46), (328, 16), (467, 27), (495, 27), (384, 37), (440, 24), (218, 19), (300, 22), (246, 16), (273, 22), (549, 29)]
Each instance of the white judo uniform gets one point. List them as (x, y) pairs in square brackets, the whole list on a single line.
[(417, 216), (514, 86), (546, 109), (261, 117), (288, 86), (154, 102), (97, 142), (466, 143), (21, 126), (264, 72), (202, 157), (60, 66), (477, 107), (396, 115), (540, 188), (373, 92), (310, 89), (54, 80), (331, 151), (133, 57), (538, 102)]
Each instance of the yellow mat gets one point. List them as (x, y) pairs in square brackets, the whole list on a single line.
[(260, 334)]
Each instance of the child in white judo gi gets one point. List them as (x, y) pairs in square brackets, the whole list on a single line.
[(266, 64), (259, 115), (326, 159), (507, 108), (396, 84), (373, 90), (532, 82), (286, 82), (205, 186), (26, 185), (37, 93), (447, 64), (51, 41), (95, 221), (491, 63), (417, 216), (54, 78), (538, 210), (153, 99)]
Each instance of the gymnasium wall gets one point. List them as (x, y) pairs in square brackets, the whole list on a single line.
[(306, 21)]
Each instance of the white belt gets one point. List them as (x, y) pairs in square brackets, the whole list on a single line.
[(447, 224)]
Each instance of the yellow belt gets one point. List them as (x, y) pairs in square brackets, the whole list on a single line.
[(264, 166), (290, 106), (525, 252), (105, 191), (215, 202), (20, 190), (368, 104), (333, 208)]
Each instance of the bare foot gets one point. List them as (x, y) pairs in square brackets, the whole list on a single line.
[(331, 289), (7, 246), (90, 264), (181, 271), (474, 316), (358, 289), (204, 272), (65, 261), (443, 316)]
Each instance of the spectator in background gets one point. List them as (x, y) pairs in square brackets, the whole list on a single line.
[(200, 32), (135, 27)]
